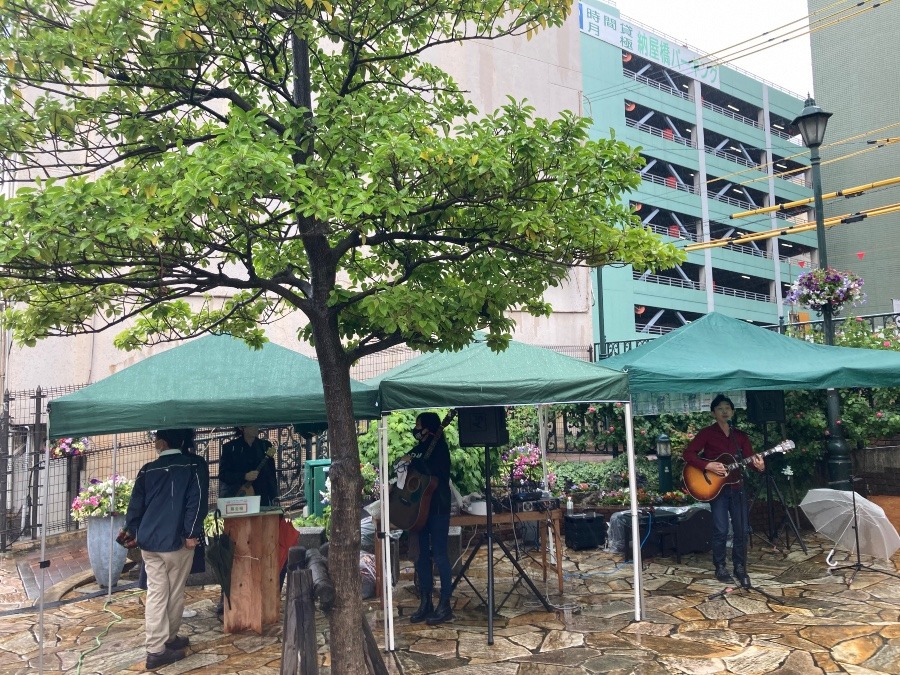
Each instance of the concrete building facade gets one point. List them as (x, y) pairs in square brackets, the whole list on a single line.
[(856, 71), (716, 141)]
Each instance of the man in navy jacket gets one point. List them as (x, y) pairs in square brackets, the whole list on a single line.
[(165, 516)]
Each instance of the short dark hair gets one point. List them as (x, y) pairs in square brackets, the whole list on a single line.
[(430, 421), (177, 439), (721, 398)]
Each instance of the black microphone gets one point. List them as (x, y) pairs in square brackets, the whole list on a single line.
[(731, 422)]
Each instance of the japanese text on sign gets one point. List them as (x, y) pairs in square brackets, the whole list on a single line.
[(636, 39)]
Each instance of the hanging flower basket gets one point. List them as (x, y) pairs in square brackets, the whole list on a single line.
[(818, 289), (69, 447)]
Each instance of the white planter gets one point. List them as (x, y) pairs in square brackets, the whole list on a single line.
[(100, 533)]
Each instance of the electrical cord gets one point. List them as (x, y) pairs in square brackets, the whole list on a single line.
[(116, 619)]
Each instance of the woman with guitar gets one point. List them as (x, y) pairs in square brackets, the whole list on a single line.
[(720, 444), (431, 456)]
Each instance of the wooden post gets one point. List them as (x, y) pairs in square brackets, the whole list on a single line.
[(374, 661), (323, 588), (299, 654)]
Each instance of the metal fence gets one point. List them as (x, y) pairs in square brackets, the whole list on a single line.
[(23, 434)]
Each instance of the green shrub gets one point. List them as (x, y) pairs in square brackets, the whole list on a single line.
[(466, 464)]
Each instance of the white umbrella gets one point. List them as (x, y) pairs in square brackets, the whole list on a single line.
[(831, 513)]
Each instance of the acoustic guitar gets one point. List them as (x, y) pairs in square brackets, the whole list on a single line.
[(246, 490), (409, 505), (705, 485)]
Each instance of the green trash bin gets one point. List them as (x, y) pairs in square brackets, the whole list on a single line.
[(315, 472)]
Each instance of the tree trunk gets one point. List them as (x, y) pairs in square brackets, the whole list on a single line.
[(346, 636)]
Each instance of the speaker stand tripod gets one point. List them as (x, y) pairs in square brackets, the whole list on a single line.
[(774, 531), (488, 538), (858, 565)]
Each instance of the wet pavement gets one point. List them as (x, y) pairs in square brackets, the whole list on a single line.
[(799, 619)]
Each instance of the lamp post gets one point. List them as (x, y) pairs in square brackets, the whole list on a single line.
[(812, 122), (664, 462)]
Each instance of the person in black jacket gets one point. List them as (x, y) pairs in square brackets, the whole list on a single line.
[(165, 517), (432, 456), (246, 460)]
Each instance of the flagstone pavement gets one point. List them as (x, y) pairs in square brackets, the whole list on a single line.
[(800, 619)]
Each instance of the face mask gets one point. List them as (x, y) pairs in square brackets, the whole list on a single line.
[(417, 434)]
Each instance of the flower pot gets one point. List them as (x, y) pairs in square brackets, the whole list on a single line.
[(105, 558)]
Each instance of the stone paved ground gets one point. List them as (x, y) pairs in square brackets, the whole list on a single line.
[(801, 621)]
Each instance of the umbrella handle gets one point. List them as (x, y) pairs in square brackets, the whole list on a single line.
[(828, 559)]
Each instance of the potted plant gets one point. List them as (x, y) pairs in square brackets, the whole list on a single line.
[(102, 506)]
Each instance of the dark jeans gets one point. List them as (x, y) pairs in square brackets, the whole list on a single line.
[(433, 543), (729, 504)]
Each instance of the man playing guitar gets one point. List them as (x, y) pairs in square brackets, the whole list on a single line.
[(720, 444)]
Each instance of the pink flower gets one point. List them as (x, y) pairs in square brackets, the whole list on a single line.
[(592, 409), (886, 343), (879, 414), (612, 429)]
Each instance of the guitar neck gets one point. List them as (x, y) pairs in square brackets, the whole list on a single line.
[(781, 447)]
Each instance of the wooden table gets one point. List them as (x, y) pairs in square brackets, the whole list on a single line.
[(467, 519), (255, 595)]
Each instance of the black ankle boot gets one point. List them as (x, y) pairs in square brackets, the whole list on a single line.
[(442, 613), (723, 575), (426, 608)]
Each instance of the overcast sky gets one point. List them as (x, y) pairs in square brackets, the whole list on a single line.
[(711, 25)]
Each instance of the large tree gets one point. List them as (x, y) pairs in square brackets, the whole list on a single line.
[(300, 156)]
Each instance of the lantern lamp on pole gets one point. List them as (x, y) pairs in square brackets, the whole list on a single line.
[(664, 462), (811, 123)]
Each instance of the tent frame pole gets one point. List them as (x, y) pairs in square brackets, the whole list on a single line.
[(384, 537), (635, 526)]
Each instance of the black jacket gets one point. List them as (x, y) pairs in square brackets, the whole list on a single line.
[(168, 503), (238, 459), (438, 465)]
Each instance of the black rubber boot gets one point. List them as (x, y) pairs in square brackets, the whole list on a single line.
[(426, 608), (442, 613), (741, 573)]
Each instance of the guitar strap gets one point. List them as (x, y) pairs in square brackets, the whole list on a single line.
[(434, 440)]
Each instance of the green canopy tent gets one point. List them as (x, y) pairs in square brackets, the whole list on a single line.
[(475, 376), (215, 380), (211, 381), (719, 353)]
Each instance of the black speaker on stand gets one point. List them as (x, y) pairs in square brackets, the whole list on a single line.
[(487, 427), (763, 407)]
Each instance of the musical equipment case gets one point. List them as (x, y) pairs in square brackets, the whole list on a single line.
[(584, 531)]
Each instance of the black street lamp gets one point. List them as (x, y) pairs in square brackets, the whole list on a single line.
[(811, 123), (664, 463)]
